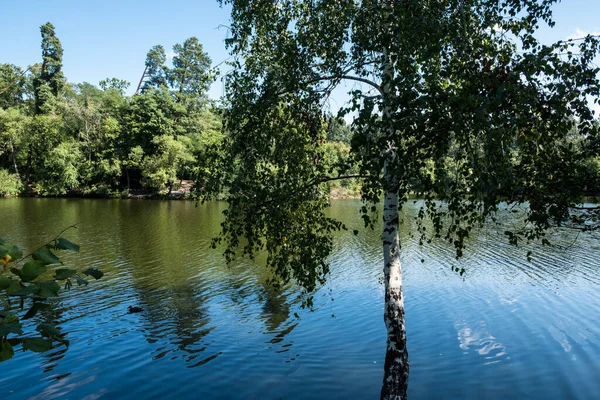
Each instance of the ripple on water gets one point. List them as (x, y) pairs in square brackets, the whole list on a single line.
[(508, 328)]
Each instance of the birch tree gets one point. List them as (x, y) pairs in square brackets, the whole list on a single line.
[(455, 101)]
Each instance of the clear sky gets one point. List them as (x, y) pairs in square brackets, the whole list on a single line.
[(109, 38)]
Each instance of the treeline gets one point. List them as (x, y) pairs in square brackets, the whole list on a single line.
[(61, 138)]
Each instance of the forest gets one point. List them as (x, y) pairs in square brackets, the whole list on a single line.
[(60, 138), (463, 131)]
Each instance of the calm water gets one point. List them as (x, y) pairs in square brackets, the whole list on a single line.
[(511, 329)]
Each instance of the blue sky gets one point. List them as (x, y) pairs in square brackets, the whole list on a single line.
[(109, 38)]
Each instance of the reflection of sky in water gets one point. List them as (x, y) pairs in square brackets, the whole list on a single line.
[(509, 328), (480, 340)]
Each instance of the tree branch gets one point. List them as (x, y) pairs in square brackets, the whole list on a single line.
[(16, 80), (45, 244), (318, 181)]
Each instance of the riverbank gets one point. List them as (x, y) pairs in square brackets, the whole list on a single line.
[(181, 191)]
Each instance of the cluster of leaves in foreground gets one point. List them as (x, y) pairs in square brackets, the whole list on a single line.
[(32, 285)]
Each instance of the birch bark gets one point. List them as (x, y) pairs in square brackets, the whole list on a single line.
[(396, 368)]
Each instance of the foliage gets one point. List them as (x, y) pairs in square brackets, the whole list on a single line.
[(82, 139), (12, 85), (458, 104), (9, 183), (35, 284), (162, 168), (50, 81)]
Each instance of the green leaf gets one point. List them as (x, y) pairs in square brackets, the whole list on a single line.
[(10, 318), (47, 289), (17, 290), (94, 272), (38, 345), (2, 241), (5, 283), (14, 341), (48, 330), (6, 329), (12, 251), (30, 271), (35, 308), (6, 351), (5, 303), (46, 256), (64, 273), (64, 244), (81, 281)]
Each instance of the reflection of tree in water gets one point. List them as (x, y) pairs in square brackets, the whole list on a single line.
[(55, 317), (275, 308), (177, 278), (178, 314)]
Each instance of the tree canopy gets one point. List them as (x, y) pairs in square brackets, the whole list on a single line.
[(456, 102), (62, 138)]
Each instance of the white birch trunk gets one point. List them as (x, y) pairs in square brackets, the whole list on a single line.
[(395, 380)]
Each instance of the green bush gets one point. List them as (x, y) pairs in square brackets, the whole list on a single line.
[(10, 184)]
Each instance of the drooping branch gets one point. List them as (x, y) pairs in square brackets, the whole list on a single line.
[(360, 79), (317, 181)]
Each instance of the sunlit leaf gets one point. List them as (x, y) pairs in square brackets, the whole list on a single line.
[(31, 270)]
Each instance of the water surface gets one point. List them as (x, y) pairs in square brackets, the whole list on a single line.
[(509, 329)]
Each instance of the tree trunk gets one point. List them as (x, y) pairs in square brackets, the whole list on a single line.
[(141, 80), (395, 379), (14, 158), (128, 180), (28, 166)]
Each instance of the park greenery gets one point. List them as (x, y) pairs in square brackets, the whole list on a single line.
[(456, 103), (79, 139)]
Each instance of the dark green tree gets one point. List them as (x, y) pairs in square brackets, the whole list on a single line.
[(51, 80), (190, 76), (338, 130), (458, 103), (12, 86), (156, 71)]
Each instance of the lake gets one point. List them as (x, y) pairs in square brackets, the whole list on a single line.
[(507, 329)]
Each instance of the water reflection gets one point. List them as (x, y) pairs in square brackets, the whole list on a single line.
[(222, 332)]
